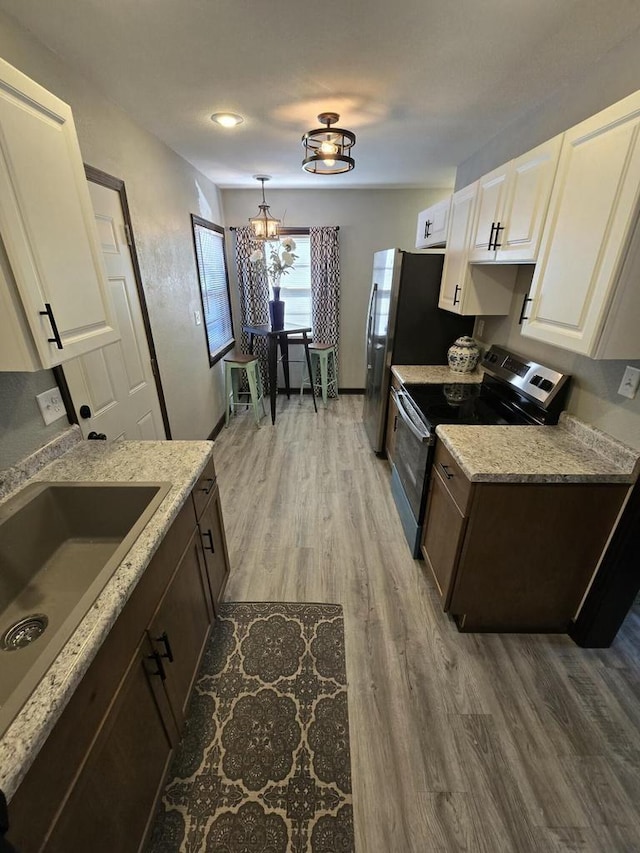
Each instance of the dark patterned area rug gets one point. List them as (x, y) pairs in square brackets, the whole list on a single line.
[(264, 763)]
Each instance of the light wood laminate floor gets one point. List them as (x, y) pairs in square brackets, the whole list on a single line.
[(459, 741)]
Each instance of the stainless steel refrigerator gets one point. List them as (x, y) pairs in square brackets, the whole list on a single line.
[(404, 326)]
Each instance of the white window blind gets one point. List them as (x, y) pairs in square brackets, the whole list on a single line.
[(214, 287), (295, 287)]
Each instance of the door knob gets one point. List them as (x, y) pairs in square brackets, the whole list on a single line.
[(96, 436), (85, 411)]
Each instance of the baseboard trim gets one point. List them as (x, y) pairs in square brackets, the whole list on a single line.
[(216, 430), (340, 391)]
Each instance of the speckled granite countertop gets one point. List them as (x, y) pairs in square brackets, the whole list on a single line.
[(177, 462), (572, 452), (432, 374)]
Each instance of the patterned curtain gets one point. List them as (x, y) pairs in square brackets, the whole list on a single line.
[(325, 287), (254, 297)]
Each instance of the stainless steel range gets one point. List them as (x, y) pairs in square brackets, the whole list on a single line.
[(514, 390)]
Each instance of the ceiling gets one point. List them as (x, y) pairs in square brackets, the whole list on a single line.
[(422, 83)]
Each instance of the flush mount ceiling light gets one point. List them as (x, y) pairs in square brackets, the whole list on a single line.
[(265, 226), (227, 119), (327, 149)]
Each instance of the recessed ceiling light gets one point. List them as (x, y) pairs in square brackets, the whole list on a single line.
[(227, 119)]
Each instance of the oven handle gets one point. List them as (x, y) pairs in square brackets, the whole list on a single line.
[(410, 418)]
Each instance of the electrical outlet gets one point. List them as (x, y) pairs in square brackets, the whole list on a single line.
[(630, 382), (479, 328), (197, 317), (51, 405)]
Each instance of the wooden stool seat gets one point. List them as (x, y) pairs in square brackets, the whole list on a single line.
[(240, 358), (319, 354)]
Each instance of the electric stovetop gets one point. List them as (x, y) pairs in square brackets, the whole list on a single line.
[(462, 403)]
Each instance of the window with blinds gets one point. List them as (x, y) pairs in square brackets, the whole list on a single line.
[(214, 287), (295, 287)]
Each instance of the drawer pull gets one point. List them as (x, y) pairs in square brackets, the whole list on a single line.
[(164, 639), (446, 471), (155, 656), (207, 489), (455, 294), (209, 536)]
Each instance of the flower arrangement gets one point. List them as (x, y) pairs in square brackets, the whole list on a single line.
[(281, 260)]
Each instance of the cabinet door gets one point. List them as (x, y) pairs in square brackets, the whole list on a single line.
[(454, 274), (114, 795), (180, 627), (433, 224), (527, 201), (490, 202), (591, 213), (214, 544), (442, 536), (47, 224), (392, 425)]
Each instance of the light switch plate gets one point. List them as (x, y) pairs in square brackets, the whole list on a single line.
[(51, 405), (630, 381)]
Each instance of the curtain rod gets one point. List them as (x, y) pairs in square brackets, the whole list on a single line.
[(291, 228)]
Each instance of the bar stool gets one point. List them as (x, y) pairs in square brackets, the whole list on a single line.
[(249, 364), (320, 354)]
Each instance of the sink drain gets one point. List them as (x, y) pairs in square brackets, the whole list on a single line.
[(24, 632)]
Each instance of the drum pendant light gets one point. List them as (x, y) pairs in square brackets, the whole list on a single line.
[(327, 150), (265, 226)]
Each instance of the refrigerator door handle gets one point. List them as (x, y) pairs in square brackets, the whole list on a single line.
[(372, 302)]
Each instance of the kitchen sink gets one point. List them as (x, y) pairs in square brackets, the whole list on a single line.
[(60, 543)]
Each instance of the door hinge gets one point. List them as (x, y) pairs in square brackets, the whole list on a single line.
[(127, 234), (154, 367)]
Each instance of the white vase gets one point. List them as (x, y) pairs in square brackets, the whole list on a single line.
[(463, 355)]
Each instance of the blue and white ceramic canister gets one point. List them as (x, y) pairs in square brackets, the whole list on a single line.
[(463, 355)]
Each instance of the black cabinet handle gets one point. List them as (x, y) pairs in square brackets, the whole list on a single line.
[(207, 489), (48, 312), (164, 639), (455, 294), (155, 656), (524, 308), (446, 471), (96, 436), (395, 423), (499, 228), (489, 245), (209, 536), (427, 226)]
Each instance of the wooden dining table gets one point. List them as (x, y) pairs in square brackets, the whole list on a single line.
[(275, 338)]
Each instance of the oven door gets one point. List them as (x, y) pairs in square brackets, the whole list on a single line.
[(413, 452)]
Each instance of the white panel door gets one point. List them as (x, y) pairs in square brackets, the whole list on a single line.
[(47, 224), (593, 208), (117, 381)]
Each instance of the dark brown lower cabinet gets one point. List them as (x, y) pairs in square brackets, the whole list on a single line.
[(514, 556), (181, 626), (214, 544), (95, 783), (112, 800)]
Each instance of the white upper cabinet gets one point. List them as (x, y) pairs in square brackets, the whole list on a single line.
[(433, 224), (512, 205), (585, 295), (467, 289), (54, 300)]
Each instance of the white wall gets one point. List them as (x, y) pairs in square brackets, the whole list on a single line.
[(593, 397), (163, 189), (369, 220)]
